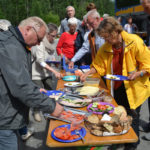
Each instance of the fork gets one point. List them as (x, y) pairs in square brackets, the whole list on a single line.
[(78, 133)]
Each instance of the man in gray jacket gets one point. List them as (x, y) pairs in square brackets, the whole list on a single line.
[(17, 92), (64, 23)]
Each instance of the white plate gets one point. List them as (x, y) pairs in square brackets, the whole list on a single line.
[(73, 84)]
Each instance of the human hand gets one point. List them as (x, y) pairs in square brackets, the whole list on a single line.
[(58, 110), (71, 65), (61, 55), (83, 77), (67, 60), (43, 90), (58, 75), (134, 75)]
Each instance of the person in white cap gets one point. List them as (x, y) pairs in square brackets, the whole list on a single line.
[(66, 43)]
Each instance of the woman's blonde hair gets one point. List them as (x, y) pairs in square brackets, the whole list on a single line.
[(108, 26)]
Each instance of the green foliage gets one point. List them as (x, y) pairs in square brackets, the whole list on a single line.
[(49, 10), (50, 17), (36, 9), (1, 15)]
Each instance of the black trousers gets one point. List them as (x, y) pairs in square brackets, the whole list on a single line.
[(121, 99)]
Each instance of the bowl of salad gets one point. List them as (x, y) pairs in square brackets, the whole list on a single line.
[(100, 108)]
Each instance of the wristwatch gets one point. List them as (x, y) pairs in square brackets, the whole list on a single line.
[(141, 73)]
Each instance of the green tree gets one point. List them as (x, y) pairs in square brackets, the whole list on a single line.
[(50, 17), (49, 10), (2, 16)]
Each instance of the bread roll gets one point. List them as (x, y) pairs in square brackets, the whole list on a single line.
[(119, 110), (93, 119), (97, 132)]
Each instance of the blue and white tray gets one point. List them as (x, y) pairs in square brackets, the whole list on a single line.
[(116, 77), (53, 92)]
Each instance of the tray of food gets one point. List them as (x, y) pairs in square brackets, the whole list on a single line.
[(67, 134), (116, 77), (100, 108), (74, 101), (108, 125), (70, 115)]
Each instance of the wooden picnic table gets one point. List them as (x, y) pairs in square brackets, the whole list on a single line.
[(90, 140)]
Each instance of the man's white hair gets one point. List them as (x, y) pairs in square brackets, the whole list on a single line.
[(35, 22), (93, 13), (4, 24), (72, 20), (70, 7)]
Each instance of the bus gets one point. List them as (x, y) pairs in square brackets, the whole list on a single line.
[(126, 8)]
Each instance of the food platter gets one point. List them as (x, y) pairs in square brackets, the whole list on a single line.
[(74, 101), (73, 84), (100, 108), (70, 115), (108, 125), (82, 132), (116, 77)]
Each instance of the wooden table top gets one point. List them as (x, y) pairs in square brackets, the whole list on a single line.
[(90, 140)]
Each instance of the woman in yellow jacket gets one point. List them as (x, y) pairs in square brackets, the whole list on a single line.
[(124, 54)]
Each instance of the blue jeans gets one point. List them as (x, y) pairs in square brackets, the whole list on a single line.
[(8, 140)]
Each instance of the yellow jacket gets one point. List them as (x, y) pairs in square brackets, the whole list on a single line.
[(136, 57)]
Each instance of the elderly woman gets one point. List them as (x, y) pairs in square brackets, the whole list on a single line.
[(66, 43), (45, 75), (124, 54)]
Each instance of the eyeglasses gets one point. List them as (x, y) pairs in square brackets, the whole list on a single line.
[(38, 39)]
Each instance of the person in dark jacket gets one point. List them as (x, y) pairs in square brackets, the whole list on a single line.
[(82, 35), (70, 10), (18, 93), (24, 132)]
